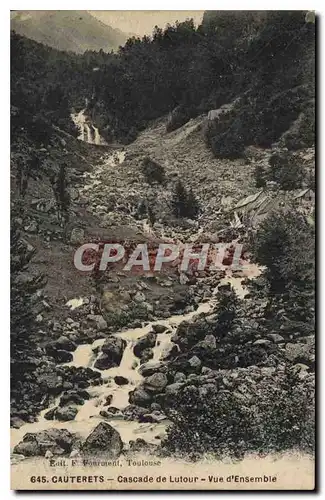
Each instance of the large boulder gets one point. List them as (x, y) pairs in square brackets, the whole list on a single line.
[(66, 413), (140, 397), (71, 397), (152, 367), (146, 355), (112, 352), (133, 412), (195, 363), (120, 380), (77, 235), (103, 441), (50, 383), (145, 342), (99, 321), (65, 344), (60, 355), (173, 389), (156, 382), (209, 342), (159, 328), (58, 441), (301, 353)]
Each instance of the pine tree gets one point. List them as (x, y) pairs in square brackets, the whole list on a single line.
[(179, 200), (23, 300), (226, 310), (192, 205), (62, 194), (151, 215), (184, 204)]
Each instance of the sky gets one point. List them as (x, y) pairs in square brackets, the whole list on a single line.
[(142, 22)]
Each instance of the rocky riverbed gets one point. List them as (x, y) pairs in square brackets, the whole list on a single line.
[(126, 370)]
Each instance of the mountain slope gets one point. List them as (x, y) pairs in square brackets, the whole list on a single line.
[(76, 31)]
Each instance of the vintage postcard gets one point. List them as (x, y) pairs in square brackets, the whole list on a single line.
[(162, 250)]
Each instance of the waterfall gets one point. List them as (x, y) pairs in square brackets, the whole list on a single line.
[(89, 136), (88, 132), (98, 139)]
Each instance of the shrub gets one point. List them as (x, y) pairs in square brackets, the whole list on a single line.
[(286, 171), (285, 244), (153, 171), (179, 116), (260, 176), (301, 133), (278, 415)]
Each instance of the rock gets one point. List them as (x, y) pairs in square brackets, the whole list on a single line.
[(112, 352), (275, 337), (106, 414), (16, 422), (71, 397), (173, 389), (301, 353), (209, 342), (159, 328), (170, 352), (113, 410), (156, 382), (139, 397), (153, 418), (103, 441), (152, 367), (63, 343), (50, 415), (48, 454), (133, 412), (98, 319), (141, 445), (179, 377), (300, 367), (108, 401), (50, 383), (155, 407), (195, 363), (262, 342), (119, 380), (60, 355), (146, 355), (58, 441), (103, 362), (28, 449), (140, 297), (77, 235), (206, 370), (83, 394), (145, 342), (66, 413), (74, 454)]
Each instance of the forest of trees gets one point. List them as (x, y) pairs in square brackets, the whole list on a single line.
[(266, 58)]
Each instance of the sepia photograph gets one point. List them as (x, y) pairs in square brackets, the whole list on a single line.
[(162, 250)]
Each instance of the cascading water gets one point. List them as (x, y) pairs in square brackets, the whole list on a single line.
[(88, 132), (88, 414)]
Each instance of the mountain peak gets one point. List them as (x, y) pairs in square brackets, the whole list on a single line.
[(70, 30)]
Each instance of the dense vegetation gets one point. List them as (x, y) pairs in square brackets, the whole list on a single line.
[(264, 59), (231, 412)]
